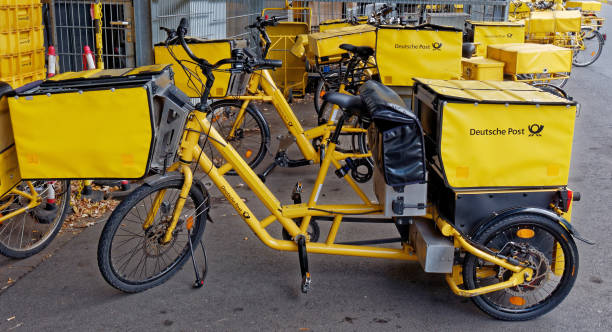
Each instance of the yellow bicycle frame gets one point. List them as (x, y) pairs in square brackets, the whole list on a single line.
[(33, 198), (191, 152)]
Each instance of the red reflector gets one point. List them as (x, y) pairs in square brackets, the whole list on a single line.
[(570, 196), (605, 35), (266, 17)]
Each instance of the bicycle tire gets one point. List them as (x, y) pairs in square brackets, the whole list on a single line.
[(150, 238), (600, 42), (323, 85), (34, 226), (257, 149), (541, 244)]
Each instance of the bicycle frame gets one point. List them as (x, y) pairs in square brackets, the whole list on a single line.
[(190, 152), (34, 201), (271, 93)]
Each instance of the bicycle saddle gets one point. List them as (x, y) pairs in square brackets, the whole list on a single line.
[(350, 104), (361, 51)]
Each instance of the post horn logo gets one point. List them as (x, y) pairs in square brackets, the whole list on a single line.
[(535, 129), (509, 35), (436, 46)]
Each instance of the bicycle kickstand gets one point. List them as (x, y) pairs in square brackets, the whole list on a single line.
[(199, 282), (303, 263)]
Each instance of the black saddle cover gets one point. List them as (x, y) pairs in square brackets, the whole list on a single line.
[(395, 136)]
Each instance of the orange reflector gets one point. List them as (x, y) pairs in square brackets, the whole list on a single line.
[(216, 118), (525, 233), (248, 153), (517, 300), (322, 93), (593, 53), (189, 223)]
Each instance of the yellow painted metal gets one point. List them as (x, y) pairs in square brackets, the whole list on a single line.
[(9, 167), (212, 51), (178, 207), (334, 24), (490, 33), (123, 139), (333, 231), (432, 53), (159, 199), (516, 279), (97, 10), (593, 6), (326, 44), (482, 69), (239, 120), (33, 201)]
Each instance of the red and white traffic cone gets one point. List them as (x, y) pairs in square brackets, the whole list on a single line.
[(51, 62), (51, 201), (88, 59)]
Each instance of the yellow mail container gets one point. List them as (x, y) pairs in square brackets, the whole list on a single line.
[(487, 33), (129, 120), (532, 58), (326, 44), (340, 23), (590, 6), (9, 169), (567, 20), (541, 22), (482, 69), (429, 51), (477, 133), (212, 51)]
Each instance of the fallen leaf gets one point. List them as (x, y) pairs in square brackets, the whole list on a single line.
[(10, 318)]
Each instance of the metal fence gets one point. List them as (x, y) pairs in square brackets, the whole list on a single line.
[(70, 28)]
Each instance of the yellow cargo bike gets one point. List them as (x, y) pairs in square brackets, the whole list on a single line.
[(493, 217)]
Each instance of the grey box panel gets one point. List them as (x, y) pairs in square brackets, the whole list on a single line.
[(456, 20), (435, 252), (413, 195)]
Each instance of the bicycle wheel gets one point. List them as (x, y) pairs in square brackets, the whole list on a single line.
[(590, 49), (30, 232), (553, 256), (131, 258), (330, 83), (251, 137)]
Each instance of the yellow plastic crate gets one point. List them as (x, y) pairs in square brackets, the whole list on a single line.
[(482, 69), (532, 58), (19, 63), (21, 16), (403, 53), (9, 169), (212, 51), (487, 33), (25, 78), (326, 44), (590, 6), (497, 120), (23, 40), (18, 2)]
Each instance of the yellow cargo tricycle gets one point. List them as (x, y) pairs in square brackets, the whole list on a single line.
[(452, 175)]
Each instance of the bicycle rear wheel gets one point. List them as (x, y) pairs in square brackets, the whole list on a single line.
[(30, 232), (593, 42), (133, 259)]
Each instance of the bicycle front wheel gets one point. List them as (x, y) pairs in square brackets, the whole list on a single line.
[(31, 231), (133, 258), (591, 45), (250, 135)]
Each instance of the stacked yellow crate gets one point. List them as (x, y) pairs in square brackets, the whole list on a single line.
[(22, 53)]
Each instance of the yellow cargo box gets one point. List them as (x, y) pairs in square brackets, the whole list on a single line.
[(587, 6), (483, 69), (486, 33), (19, 63), (477, 133), (24, 15), (541, 22), (126, 116), (341, 23), (212, 51), (23, 40), (326, 44), (9, 169), (429, 51), (532, 58), (567, 20)]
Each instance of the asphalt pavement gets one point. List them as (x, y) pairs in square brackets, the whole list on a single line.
[(251, 287)]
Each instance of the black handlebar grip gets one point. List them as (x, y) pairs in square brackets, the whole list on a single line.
[(183, 26), (273, 63)]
